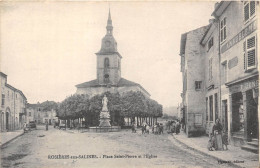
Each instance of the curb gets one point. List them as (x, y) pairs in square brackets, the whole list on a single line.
[(201, 152), (10, 140)]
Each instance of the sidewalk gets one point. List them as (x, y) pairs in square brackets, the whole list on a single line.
[(6, 137), (235, 155)]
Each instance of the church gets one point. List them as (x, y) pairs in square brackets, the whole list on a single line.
[(109, 70)]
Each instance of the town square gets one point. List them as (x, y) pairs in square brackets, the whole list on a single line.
[(129, 84)]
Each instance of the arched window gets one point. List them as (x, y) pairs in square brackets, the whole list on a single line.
[(106, 63)]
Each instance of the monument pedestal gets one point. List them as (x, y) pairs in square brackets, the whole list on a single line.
[(104, 119)]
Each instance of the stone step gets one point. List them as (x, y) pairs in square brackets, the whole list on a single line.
[(250, 148), (253, 143), (255, 140)]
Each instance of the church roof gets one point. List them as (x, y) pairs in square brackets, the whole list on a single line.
[(122, 83)]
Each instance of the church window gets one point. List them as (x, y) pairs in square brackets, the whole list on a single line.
[(119, 66), (106, 63), (106, 79)]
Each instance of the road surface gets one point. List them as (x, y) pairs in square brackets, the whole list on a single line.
[(59, 148)]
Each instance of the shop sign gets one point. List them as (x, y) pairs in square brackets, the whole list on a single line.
[(240, 36), (233, 62), (244, 86)]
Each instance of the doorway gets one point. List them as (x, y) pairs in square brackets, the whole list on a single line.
[(7, 121), (225, 115), (252, 114)]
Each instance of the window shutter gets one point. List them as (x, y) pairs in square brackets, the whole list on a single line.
[(244, 51), (252, 8), (251, 52), (246, 12)]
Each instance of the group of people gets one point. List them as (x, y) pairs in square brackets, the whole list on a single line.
[(174, 126), (217, 139), (156, 128)]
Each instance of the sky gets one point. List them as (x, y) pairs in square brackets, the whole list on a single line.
[(49, 47)]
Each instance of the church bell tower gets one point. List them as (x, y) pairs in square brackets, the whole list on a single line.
[(108, 58)]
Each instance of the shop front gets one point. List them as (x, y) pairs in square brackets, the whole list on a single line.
[(243, 95)]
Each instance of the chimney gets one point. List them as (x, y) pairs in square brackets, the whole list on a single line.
[(216, 5), (211, 21)]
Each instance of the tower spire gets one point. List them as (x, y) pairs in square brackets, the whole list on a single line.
[(109, 24)]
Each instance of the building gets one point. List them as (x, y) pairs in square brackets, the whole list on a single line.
[(239, 82), (13, 106), (209, 42), (231, 70), (41, 113), (193, 75), (109, 70)]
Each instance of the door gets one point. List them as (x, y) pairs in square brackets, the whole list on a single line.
[(225, 115), (7, 120)]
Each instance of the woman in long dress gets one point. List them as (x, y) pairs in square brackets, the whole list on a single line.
[(217, 132)]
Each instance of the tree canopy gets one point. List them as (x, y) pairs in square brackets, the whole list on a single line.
[(129, 104)]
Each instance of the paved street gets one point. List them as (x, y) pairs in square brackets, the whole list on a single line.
[(33, 149)]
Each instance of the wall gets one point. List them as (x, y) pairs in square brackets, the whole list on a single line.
[(114, 71), (194, 67)]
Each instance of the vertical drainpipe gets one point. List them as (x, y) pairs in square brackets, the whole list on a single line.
[(220, 81)]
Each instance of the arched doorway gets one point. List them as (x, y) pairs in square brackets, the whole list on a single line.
[(7, 121), (2, 121), (7, 118)]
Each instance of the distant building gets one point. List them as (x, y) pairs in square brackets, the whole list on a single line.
[(109, 70), (13, 106), (231, 77), (37, 112)]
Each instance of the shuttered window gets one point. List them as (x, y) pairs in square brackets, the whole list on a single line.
[(249, 9), (249, 47)]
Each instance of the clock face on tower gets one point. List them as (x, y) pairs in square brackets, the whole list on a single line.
[(108, 43)]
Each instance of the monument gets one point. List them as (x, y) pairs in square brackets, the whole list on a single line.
[(104, 121), (104, 114)]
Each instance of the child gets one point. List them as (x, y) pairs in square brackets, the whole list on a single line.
[(211, 142), (225, 140)]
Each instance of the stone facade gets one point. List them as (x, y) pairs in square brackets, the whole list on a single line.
[(239, 84), (212, 74), (13, 106), (36, 112), (192, 56), (231, 73)]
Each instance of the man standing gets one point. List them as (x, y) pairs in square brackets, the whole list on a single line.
[(46, 124)]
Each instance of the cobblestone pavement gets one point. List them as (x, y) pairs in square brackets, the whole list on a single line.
[(59, 148)]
